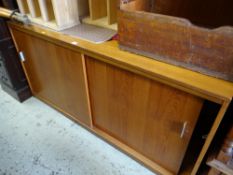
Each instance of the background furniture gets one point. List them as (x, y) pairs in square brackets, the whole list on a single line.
[(147, 108), (12, 77)]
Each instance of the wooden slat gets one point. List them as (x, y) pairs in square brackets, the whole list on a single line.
[(98, 9), (102, 22), (46, 8), (23, 6), (34, 8), (66, 13), (112, 6), (87, 89)]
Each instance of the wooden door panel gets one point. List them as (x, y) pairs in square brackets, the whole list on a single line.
[(55, 74), (146, 115)]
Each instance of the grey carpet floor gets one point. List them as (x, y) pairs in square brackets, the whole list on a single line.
[(37, 140)]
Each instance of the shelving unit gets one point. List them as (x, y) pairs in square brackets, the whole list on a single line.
[(23, 6), (46, 8), (112, 11), (103, 13), (54, 14), (34, 8), (63, 14)]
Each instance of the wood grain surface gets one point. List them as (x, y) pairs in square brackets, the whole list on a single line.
[(195, 83), (112, 7), (98, 9), (34, 8), (146, 115), (55, 74), (23, 6), (66, 13), (46, 8)]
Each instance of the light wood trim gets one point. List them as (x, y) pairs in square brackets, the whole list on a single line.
[(46, 8), (210, 137), (87, 89), (24, 69), (195, 83), (112, 6), (34, 8), (102, 22), (66, 13)]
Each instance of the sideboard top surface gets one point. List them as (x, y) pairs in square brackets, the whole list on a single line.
[(198, 84)]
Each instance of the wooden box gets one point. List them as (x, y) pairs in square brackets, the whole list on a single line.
[(202, 42)]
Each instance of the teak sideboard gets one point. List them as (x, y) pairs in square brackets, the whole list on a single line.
[(146, 108)]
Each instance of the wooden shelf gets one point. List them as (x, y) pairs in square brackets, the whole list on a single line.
[(47, 12), (102, 22), (23, 6), (98, 9), (57, 15), (112, 11), (34, 8), (103, 13)]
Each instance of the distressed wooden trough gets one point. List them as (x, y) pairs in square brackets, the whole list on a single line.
[(177, 41)]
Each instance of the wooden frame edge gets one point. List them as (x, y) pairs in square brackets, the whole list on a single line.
[(211, 135)]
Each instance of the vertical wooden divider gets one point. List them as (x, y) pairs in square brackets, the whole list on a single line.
[(34, 8), (66, 13), (23, 6), (112, 6), (46, 8), (98, 9)]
